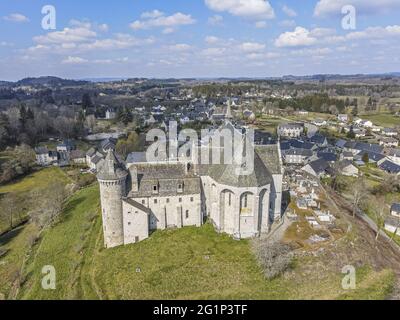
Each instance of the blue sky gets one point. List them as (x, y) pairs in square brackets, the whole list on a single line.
[(197, 38)]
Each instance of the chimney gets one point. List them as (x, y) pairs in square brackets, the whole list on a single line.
[(135, 180)]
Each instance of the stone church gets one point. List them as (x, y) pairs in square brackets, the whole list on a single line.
[(142, 196)]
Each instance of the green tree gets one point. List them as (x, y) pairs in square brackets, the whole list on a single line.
[(86, 101), (128, 145), (351, 134), (124, 116)]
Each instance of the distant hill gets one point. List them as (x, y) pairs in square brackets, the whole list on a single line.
[(49, 81)]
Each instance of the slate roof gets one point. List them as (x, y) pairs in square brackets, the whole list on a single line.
[(137, 205), (77, 154), (136, 157), (389, 167), (91, 152), (266, 163), (41, 150), (327, 156), (166, 176), (371, 155), (112, 169), (341, 143), (300, 152), (318, 139), (109, 143), (319, 166), (392, 221), (394, 153), (294, 143), (395, 207), (376, 148)]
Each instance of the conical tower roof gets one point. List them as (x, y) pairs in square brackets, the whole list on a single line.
[(111, 169)]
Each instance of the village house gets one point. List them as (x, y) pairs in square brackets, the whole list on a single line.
[(347, 168), (392, 223), (45, 158), (389, 132), (77, 157), (394, 155), (290, 130), (389, 167), (94, 159), (316, 168), (111, 114), (389, 142), (343, 117), (66, 146)]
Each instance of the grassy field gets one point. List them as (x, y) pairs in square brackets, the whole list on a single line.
[(38, 179), (17, 243), (63, 247), (190, 263), (35, 181)]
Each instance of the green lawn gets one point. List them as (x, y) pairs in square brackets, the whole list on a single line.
[(383, 119), (190, 263), (38, 179), (63, 247), (21, 188), (17, 243)]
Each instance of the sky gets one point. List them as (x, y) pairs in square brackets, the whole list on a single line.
[(198, 38)]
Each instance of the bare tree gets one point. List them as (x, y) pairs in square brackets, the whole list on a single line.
[(91, 122), (52, 201), (380, 213), (9, 205), (359, 193), (274, 258)]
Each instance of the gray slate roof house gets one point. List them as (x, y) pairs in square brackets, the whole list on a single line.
[(316, 168), (390, 167), (395, 209)]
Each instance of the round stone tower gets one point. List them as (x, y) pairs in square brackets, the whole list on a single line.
[(112, 179)]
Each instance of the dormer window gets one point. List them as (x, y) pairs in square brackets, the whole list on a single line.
[(155, 189), (180, 187)]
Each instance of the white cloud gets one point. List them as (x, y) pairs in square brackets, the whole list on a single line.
[(287, 23), (151, 14), (334, 7), (16, 17), (299, 37), (375, 33), (74, 60), (6, 44), (252, 47), (180, 47), (215, 20), (289, 11), (175, 20), (211, 39), (322, 32), (103, 27), (120, 41), (168, 30), (79, 34), (255, 9), (213, 52), (261, 24)]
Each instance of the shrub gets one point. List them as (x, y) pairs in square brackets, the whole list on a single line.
[(274, 258)]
